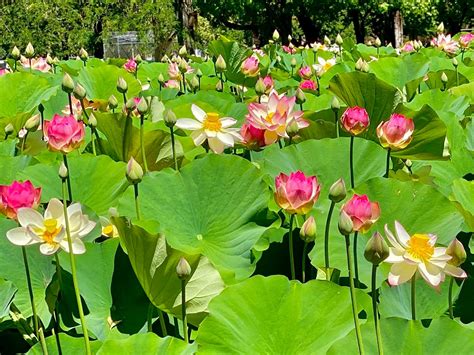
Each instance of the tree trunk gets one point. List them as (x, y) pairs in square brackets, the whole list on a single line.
[(311, 31), (359, 26), (398, 26)]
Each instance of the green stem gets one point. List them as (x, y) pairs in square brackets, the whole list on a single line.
[(56, 313), (303, 262), (173, 148), (142, 143), (69, 96), (450, 298), (413, 297), (23, 143), (44, 347), (375, 309), (94, 151), (457, 76), (68, 180), (30, 291), (56, 330), (388, 162), (290, 242), (126, 139), (184, 83), (279, 144), (356, 262), (124, 99), (149, 318), (353, 296), (74, 273), (351, 161), (183, 310), (137, 205), (162, 322), (326, 239), (336, 121)]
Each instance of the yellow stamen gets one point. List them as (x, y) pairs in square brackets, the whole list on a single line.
[(269, 117), (420, 248), (108, 230), (50, 231), (212, 122)]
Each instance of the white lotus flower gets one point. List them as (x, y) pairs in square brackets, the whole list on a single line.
[(410, 254), (108, 228), (323, 65), (212, 127), (50, 230)]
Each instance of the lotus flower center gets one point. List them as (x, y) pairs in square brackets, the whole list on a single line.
[(50, 231), (419, 247), (212, 122), (269, 117), (108, 230)]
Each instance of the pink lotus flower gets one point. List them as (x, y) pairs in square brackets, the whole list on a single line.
[(308, 85), (173, 72), (305, 72), (36, 64), (362, 212), (274, 115), (355, 120), (296, 193), (76, 108), (3, 71), (130, 65), (290, 50), (63, 133), (396, 133), (18, 195), (253, 137), (268, 81), (250, 66), (445, 43), (408, 47), (172, 84), (466, 39)]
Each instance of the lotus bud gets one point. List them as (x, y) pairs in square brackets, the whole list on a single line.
[(165, 59), (49, 59), (33, 123), (327, 41), (83, 54), (183, 66), (292, 128), (345, 224), (67, 84), (300, 96), (339, 40), (440, 28), (219, 86), (63, 172), (417, 45), (79, 92), (16, 53), (376, 249), (134, 171), (193, 83), (278, 58), (199, 73), (358, 64), (55, 60), (276, 36), (130, 105), (183, 52), (290, 38), (9, 129), (29, 51), (365, 67), (113, 212), (457, 252), (455, 62), (113, 103), (335, 104), (308, 230), (444, 78), (161, 79), (271, 41), (293, 62), (377, 42), (260, 87), (142, 106), (138, 59), (170, 118), (92, 120), (220, 64), (122, 85), (183, 269), (337, 191)]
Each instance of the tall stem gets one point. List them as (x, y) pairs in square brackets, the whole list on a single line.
[(375, 309), (336, 121), (74, 272), (183, 310), (94, 151), (173, 148), (142, 143), (69, 96), (30, 291), (353, 296), (303, 262), (127, 137), (290, 242), (413, 297), (137, 205), (162, 322), (149, 318), (356, 262), (23, 143), (124, 99), (68, 180), (450, 298), (326, 239), (388, 162), (351, 161), (56, 313)]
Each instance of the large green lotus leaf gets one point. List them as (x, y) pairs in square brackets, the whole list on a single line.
[(430, 303), (11, 166), (94, 274), (464, 90), (154, 263), (152, 71), (441, 102), (345, 67), (369, 52), (22, 92), (13, 269), (69, 345), (272, 315), (7, 292), (97, 182), (214, 202), (367, 91), (101, 82), (463, 193), (402, 337), (148, 343)]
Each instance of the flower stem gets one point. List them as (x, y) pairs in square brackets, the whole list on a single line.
[(23, 143), (162, 322), (68, 180), (336, 121), (142, 143), (303, 262), (69, 96), (351, 161), (56, 330), (124, 99), (94, 151), (326, 239), (450, 298), (56, 313), (137, 205), (183, 310), (127, 137), (388, 162), (353, 296), (41, 111), (413, 297), (149, 318), (356, 262), (30, 291), (74, 273), (375, 309), (173, 148), (290, 242)]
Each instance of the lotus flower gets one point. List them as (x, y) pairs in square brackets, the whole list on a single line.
[(250, 66), (323, 65), (362, 212), (130, 65), (268, 81), (296, 193), (308, 85), (3, 71), (274, 115), (76, 108), (445, 43), (410, 254), (305, 72), (36, 64), (408, 47), (396, 133), (50, 230), (63, 133), (18, 195), (466, 39), (173, 71), (355, 120), (288, 49), (212, 127), (108, 230), (252, 137), (172, 84)]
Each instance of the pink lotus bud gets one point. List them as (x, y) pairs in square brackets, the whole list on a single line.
[(172, 84), (308, 85), (296, 193), (466, 39), (254, 138), (355, 120), (18, 195), (268, 81), (173, 71), (396, 133), (130, 65), (250, 66), (63, 133), (308, 230), (362, 212), (306, 72)]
